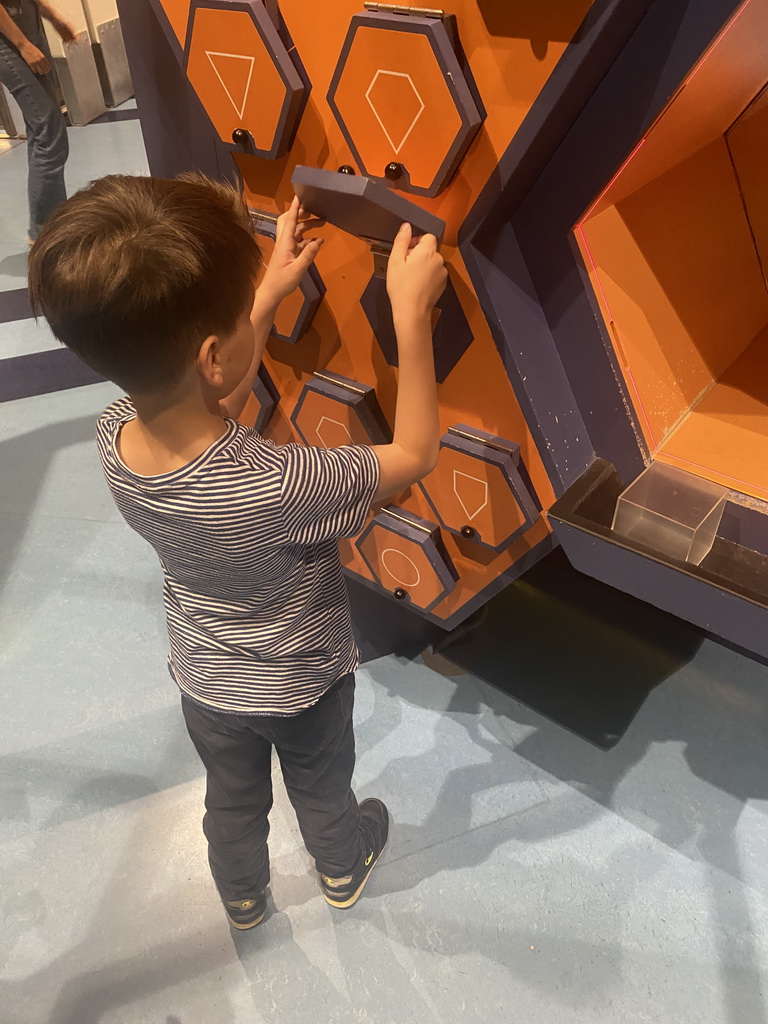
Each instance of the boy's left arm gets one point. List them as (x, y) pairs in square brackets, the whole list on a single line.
[(291, 257)]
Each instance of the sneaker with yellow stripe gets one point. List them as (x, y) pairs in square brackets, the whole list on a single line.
[(245, 914), (374, 828)]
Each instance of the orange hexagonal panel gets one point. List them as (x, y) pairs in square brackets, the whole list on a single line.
[(403, 101), (476, 489), (244, 76), (407, 558), (333, 411)]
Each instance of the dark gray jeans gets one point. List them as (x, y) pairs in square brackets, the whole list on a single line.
[(47, 143), (316, 749)]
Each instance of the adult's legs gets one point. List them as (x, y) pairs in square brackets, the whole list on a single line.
[(238, 798), (47, 142), (317, 756)]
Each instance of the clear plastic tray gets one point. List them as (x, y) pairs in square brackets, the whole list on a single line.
[(671, 511)]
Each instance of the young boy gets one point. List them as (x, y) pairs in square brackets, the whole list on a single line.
[(151, 282)]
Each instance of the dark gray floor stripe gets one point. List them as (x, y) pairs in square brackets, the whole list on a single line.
[(41, 373), (116, 115), (14, 305)]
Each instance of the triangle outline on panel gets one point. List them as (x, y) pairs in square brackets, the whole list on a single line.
[(210, 54)]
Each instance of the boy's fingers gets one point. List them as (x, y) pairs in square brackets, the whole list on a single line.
[(288, 220), (402, 242), (309, 250), (301, 246), (428, 242), (308, 225)]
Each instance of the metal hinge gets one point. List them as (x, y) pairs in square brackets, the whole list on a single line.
[(497, 445), (405, 519), (413, 12), (344, 384)]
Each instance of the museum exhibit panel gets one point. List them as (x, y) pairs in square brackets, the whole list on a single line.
[(594, 173)]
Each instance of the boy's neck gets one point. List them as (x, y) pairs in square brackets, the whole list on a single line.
[(164, 437)]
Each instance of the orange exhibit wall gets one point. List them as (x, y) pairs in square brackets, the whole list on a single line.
[(508, 72), (676, 248)]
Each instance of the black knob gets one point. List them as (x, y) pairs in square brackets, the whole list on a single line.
[(468, 532), (393, 171), (346, 169), (400, 594), (241, 137)]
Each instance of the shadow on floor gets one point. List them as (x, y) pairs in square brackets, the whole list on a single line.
[(14, 265), (578, 652), (24, 461), (562, 659)]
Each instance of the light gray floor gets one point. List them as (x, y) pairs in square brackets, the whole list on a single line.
[(531, 878)]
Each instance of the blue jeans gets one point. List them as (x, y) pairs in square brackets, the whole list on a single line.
[(47, 143), (316, 749)]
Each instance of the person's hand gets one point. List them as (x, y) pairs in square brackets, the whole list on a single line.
[(36, 59), (64, 30), (416, 274), (293, 254)]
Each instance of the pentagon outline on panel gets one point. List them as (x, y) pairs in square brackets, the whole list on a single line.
[(494, 451), (361, 398)]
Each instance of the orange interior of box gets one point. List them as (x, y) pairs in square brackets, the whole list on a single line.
[(677, 251)]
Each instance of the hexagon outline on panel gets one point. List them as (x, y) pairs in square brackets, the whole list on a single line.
[(259, 94), (434, 78), (311, 287), (359, 401), (500, 459), (424, 538)]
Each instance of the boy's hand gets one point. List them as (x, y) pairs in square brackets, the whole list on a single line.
[(292, 255), (416, 274)]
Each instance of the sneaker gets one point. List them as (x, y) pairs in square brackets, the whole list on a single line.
[(374, 826), (244, 914)]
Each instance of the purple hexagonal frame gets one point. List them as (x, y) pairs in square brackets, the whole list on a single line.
[(426, 535), (499, 452), (360, 397), (312, 286), (451, 336), (268, 396), (443, 39), (279, 45)]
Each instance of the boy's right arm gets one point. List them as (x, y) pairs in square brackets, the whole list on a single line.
[(416, 277)]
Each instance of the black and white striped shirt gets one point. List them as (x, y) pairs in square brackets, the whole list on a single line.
[(258, 614)]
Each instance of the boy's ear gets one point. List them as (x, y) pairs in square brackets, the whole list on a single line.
[(209, 361)]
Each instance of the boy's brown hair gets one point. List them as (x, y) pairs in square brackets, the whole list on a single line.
[(134, 273)]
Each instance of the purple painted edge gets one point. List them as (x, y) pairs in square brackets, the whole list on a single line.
[(296, 94), (14, 305), (444, 55), (42, 373)]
